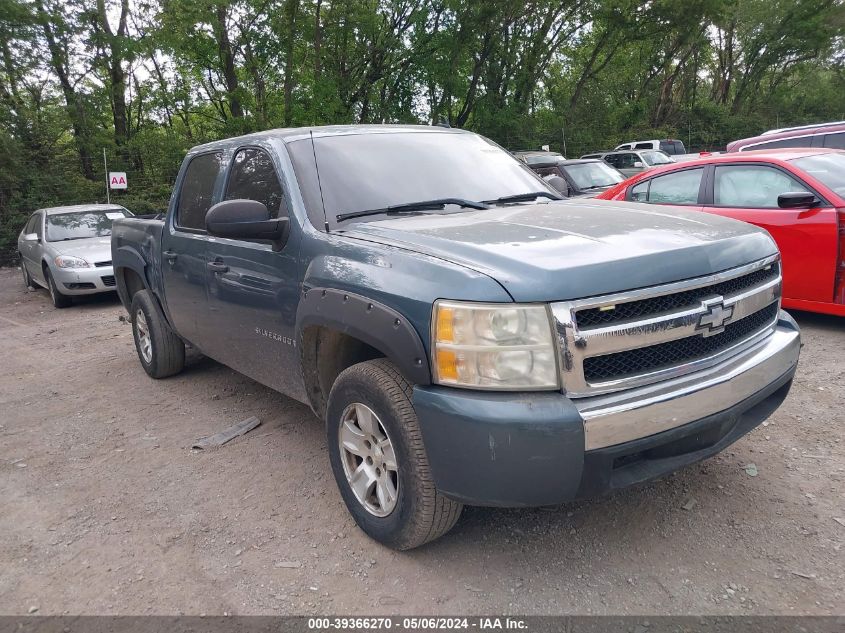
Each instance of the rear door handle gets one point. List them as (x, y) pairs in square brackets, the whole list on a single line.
[(170, 255), (217, 267)]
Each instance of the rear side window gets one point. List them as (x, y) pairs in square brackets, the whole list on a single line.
[(798, 141), (836, 141), (673, 148), (198, 190), (680, 187), (253, 177), (752, 186), (644, 146)]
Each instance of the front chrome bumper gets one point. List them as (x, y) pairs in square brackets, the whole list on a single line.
[(636, 413)]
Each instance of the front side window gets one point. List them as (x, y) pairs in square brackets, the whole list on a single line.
[(644, 146), (752, 186), (34, 225), (197, 190), (253, 177), (625, 160), (81, 225), (593, 175)]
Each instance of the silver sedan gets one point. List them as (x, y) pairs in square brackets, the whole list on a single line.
[(68, 250)]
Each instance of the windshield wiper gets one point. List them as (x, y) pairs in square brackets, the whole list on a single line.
[(409, 207), (524, 197)]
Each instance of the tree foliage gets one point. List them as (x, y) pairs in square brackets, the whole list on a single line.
[(146, 79)]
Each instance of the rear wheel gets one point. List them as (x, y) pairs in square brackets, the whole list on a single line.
[(27, 280), (160, 351), (59, 300), (379, 461)]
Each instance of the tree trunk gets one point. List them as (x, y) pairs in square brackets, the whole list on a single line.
[(227, 60), (291, 8)]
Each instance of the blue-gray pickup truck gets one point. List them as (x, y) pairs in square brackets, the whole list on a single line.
[(467, 337)]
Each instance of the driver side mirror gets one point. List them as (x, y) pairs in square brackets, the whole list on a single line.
[(30, 237), (246, 220), (638, 164), (797, 200)]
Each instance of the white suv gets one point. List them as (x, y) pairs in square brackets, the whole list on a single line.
[(673, 147)]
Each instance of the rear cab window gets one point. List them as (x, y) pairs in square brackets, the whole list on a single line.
[(197, 190)]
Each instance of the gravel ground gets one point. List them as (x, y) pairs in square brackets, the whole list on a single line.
[(107, 510)]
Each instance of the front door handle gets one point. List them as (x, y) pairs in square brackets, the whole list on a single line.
[(217, 267), (170, 255)]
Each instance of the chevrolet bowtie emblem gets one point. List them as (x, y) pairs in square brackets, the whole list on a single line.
[(715, 317)]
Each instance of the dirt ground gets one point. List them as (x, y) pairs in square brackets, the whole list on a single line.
[(105, 509)]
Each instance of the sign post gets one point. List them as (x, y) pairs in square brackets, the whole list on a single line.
[(106, 171)]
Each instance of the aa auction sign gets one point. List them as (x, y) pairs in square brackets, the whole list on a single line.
[(117, 180)]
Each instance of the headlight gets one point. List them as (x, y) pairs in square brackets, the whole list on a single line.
[(69, 261), (493, 346)]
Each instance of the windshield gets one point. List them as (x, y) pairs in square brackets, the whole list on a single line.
[(655, 157), (592, 175), (361, 172), (828, 168), (82, 224)]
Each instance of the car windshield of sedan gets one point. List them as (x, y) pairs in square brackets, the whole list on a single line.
[(828, 168), (656, 158), (593, 175), (81, 225)]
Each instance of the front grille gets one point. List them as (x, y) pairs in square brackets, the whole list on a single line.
[(596, 317), (103, 264), (638, 361), (108, 280)]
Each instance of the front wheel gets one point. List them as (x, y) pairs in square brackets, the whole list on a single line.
[(160, 351), (59, 300), (379, 461)]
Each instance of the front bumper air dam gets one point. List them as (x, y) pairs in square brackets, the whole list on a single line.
[(532, 449)]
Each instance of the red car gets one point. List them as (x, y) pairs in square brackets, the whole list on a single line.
[(797, 195)]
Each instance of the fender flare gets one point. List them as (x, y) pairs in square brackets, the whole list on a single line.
[(127, 257), (372, 322)]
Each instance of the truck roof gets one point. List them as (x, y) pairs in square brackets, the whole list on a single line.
[(297, 133)]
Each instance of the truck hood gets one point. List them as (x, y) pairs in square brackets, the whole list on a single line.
[(92, 250), (576, 248)]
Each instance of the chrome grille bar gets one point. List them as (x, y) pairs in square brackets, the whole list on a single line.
[(707, 318)]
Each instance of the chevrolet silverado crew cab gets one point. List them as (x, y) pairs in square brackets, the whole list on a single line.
[(467, 337)]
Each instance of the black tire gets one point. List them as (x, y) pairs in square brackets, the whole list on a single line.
[(59, 300), (27, 280), (166, 350), (421, 512)]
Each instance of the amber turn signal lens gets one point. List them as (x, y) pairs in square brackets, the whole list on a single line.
[(447, 365), (445, 332)]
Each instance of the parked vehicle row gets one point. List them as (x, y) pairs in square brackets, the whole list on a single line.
[(466, 336)]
